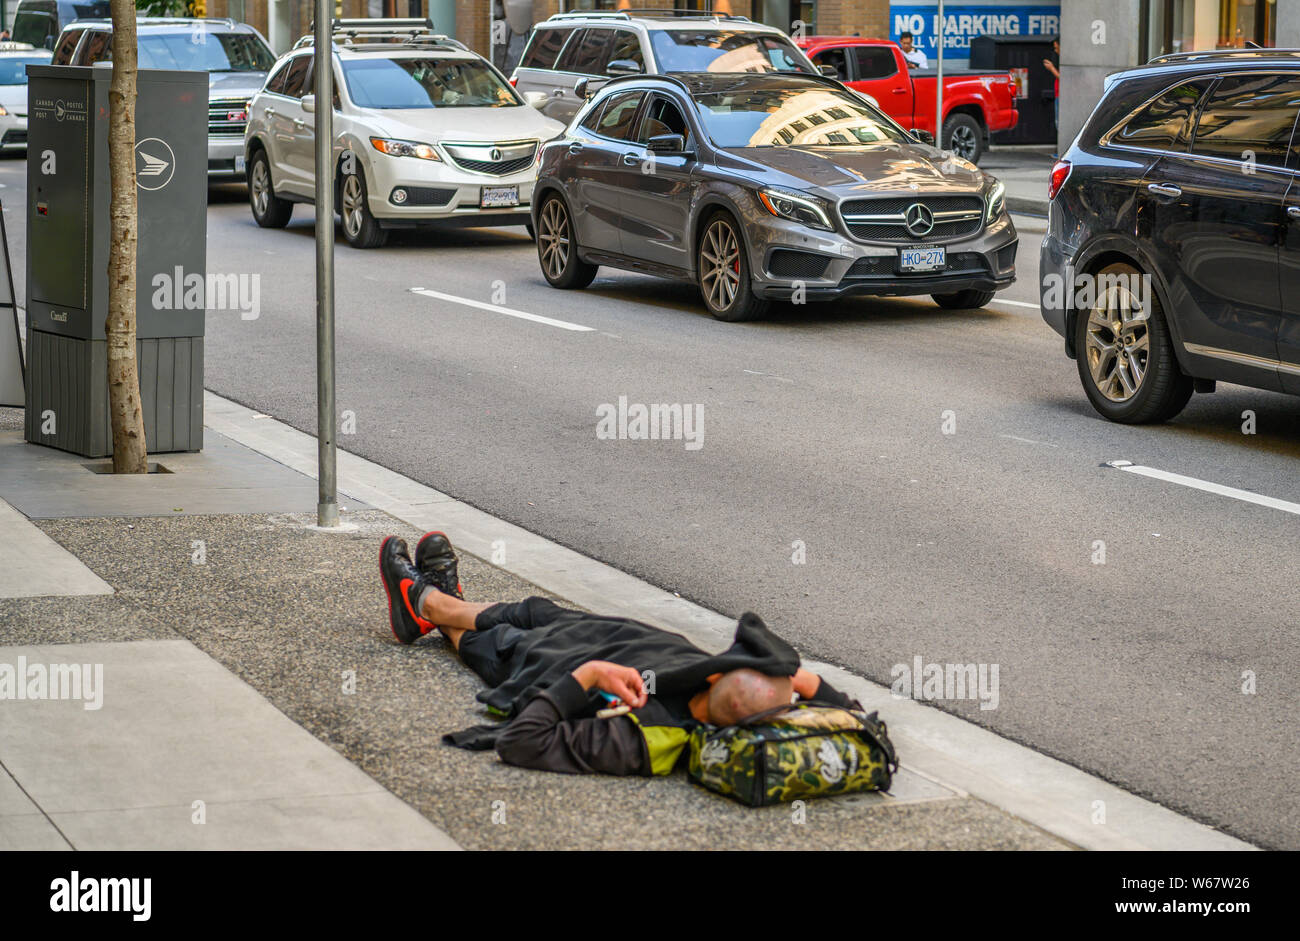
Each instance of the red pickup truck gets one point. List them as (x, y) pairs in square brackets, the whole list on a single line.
[(974, 103)]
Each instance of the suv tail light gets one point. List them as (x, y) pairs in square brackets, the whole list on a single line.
[(514, 82), (1060, 173)]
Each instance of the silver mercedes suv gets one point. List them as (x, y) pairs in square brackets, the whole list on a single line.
[(762, 186)]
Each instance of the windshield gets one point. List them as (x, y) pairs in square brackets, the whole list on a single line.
[(13, 70), (212, 52), (718, 50), (426, 83), (793, 117)]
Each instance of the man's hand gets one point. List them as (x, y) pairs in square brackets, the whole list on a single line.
[(620, 681)]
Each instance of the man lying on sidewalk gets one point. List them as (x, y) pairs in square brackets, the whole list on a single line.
[(546, 667)]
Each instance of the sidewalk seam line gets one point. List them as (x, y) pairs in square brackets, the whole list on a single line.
[(18, 784)]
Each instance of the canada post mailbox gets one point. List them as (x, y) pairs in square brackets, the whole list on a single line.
[(68, 234)]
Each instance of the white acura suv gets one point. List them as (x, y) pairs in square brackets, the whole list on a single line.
[(425, 131)]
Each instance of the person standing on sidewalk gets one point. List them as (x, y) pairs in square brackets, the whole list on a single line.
[(551, 670), (1053, 65)]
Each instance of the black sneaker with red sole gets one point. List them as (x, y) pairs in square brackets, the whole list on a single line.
[(437, 560), (402, 584)]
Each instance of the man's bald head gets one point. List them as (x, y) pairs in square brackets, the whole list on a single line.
[(741, 693)]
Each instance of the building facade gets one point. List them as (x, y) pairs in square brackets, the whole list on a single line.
[(1103, 36)]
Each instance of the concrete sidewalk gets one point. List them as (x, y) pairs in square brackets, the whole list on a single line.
[(248, 665), (1026, 171)]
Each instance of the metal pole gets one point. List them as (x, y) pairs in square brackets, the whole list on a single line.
[(938, 82), (327, 506)]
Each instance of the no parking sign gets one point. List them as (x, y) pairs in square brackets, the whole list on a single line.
[(963, 22)]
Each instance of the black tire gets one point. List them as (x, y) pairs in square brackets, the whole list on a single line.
[(360, 228), (963, 300), (722, 268), (964, 136), (1161, 390), (557, 247), (269, 210)]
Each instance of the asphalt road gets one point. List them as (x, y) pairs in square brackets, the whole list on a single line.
[(823, 428)]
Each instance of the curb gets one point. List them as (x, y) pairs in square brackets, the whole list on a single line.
[(1025, 206)]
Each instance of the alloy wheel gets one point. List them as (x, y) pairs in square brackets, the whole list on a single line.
[(352, 205), (553, 238), (1118, 344), (720, 268), (261, 185), (963, 142)]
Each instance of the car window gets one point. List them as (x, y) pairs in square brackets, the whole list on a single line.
[(799, 116), (616, 120), (1249, 116), (662, 116), (67, 46), (723, 50), (426, 82), (295, 80), (588, 54), (875, 61), (544, 48), (276, 82), (592, 119), (835, 58), (627, 47), (98, 48), (13, 69), (1166, 123), (205, 51)]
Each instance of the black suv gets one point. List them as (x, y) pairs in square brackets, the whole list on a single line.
[(1172, 257)]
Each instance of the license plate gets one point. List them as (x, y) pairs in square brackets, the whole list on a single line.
[(239, 164), (494, 197), (921, 259)]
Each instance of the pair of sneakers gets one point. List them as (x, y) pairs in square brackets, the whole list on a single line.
[(404, 581)]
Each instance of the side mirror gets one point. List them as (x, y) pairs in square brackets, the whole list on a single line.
[(674, 144), (829, 71), (623, 67), (925, 137), (309, 104), (580, 89), (535, 98)]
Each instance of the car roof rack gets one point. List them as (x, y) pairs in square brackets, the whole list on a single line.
[(644, 13), (165, 20), (1206, 54), (377, 34)]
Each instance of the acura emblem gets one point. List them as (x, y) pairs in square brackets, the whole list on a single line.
[(918, 219), (495, 154)]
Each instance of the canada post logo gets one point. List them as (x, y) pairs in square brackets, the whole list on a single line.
[(155, 163), (61, 110)]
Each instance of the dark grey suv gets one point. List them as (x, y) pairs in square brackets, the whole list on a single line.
[(1172, 256), (762, 186)]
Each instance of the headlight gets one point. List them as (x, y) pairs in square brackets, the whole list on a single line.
[(404, 148), (3, 111), (995, 202), (802, 209)]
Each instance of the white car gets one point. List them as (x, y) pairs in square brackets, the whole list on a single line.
[(14, 59), (425, 131)]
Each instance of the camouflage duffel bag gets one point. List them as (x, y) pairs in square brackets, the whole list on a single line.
[(807, 749)]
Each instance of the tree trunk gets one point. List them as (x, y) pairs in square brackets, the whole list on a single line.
[(129, 452)]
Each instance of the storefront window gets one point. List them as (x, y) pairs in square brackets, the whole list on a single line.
[(1191, 25)]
